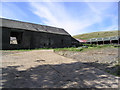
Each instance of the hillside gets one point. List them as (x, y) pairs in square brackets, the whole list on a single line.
[(97, 35)]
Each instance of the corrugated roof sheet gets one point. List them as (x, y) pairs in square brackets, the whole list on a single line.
[(106, 39), (30, 26), (89, 40), (99, 39), (80, 40), (114, 38), (94, 39)]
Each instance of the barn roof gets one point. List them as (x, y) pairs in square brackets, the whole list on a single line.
[(80, 40), (31, 26)]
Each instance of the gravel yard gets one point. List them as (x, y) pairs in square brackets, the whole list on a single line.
[(103, 59), (106, 55), (46, 69)]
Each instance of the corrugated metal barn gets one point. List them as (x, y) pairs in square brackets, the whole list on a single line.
[(23, 35)]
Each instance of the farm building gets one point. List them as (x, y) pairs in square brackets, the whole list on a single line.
[(106, 40), (24, 35)]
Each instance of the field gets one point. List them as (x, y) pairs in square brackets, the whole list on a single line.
[(97, 35)]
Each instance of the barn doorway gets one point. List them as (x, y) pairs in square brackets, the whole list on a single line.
[(15, 38)]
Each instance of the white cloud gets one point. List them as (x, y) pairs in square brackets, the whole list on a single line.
[(55, 14), (102, 12)]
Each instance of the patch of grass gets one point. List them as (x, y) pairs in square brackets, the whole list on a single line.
[(80, 49), (101, 46), (28, 49), (18, 50), (94, 45), (90, 47), (68, 49)]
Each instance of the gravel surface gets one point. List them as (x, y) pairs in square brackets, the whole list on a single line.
[(46, 69), (103, 59), (106, 55)]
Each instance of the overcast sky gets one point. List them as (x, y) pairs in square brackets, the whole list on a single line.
[(74, 17)]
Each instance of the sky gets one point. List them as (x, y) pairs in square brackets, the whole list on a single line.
[(74, 17)]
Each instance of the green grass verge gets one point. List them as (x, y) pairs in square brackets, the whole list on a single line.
[(28, 49), (68, 49), (90, 47)]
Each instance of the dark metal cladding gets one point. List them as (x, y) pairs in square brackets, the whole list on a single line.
[(23, 35)]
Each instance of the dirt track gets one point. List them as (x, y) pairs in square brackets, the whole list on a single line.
[(46, 69)]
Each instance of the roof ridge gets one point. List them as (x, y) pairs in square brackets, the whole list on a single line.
[(31, 26)]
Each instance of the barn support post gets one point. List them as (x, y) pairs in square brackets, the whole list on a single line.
[(90, 41), (110, 41), (118, 41), (97, 43)]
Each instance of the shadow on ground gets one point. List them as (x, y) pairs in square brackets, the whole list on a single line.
[(75, 75), (114, 70)]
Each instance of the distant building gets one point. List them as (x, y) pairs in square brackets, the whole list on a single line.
[(23, 35), (81, 41), (106, 40)]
